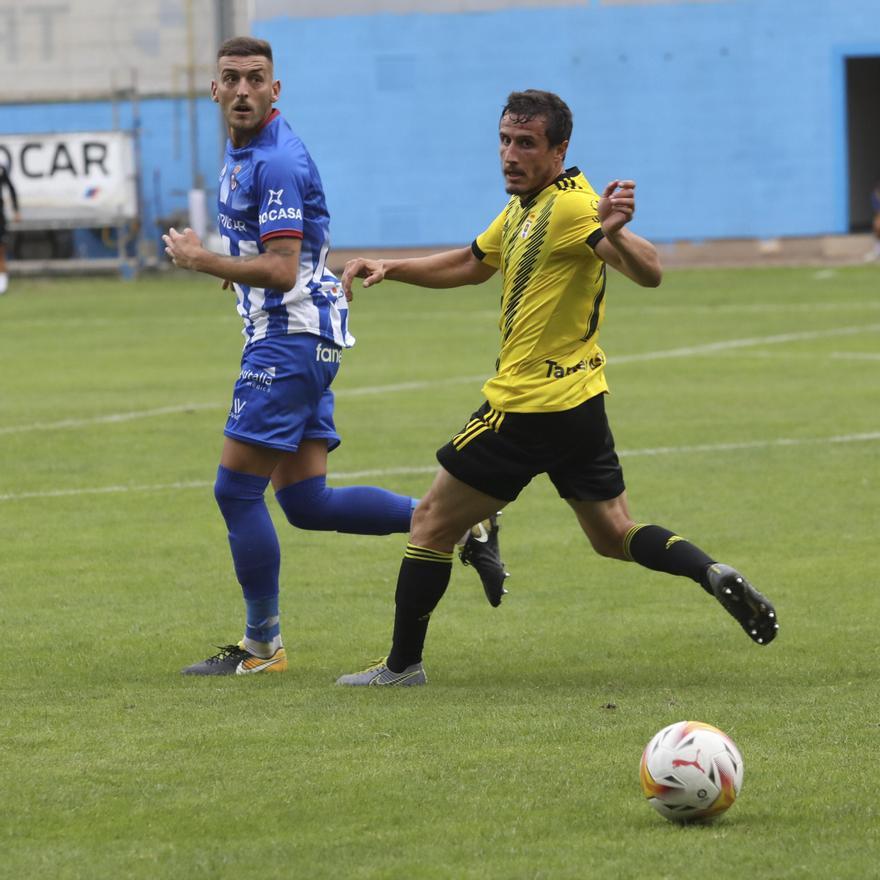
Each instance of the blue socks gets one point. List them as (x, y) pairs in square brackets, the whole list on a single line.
[(360, 510), (263, 630), (255, 554), (309, 504)]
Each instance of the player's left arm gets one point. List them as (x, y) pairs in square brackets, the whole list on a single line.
[(622, 249), (276, 267)]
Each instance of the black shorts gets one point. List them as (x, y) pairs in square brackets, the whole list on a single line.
[(2, 228), (499, 453)]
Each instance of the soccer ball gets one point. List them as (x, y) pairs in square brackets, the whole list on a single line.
[(691, 770)]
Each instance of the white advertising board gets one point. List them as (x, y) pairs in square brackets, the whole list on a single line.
[(78, 178)]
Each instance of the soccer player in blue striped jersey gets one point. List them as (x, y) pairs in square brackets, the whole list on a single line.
[(274, 225)]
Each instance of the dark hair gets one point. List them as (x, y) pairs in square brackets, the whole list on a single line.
[(244, 46), (526, 106)]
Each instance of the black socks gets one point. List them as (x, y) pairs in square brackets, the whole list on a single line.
[(421, 583), (661, 550)]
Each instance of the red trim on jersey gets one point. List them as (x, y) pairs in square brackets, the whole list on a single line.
[(278, 233), (281, 233), (272, 114)]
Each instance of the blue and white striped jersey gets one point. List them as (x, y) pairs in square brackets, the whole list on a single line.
[(271, 188)]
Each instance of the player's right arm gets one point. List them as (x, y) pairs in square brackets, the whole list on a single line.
[(453, 268), (276, 267)]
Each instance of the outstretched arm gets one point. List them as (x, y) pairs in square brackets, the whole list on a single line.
[(447, 269), (627, 252)]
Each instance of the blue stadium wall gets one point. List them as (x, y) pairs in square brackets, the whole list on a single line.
[(731, 116)]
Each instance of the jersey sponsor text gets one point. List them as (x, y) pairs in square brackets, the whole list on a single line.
[(227, 222), (281, 214), (328, 355)]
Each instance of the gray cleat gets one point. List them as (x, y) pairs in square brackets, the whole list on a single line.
[(380, 675)]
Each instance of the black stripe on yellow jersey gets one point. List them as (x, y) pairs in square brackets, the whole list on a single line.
[(525, 267), (596, 310), (553, 298)]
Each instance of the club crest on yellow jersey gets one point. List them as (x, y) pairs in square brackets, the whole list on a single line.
[(527, 225)]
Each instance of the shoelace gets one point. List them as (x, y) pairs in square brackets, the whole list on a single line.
[(225, 652)]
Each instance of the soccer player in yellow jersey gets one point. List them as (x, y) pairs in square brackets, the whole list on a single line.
[(544, 410)]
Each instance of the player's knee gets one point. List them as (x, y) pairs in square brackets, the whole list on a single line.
[(225, 491), (431, 529), (304, 504), (608, 543), (235, 492), (300, 517)]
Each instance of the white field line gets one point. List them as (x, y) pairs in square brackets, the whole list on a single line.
[(410, 386), (111, 419), (115, 418), (807, 355), (688, 351), (346, 476), (856, 355), (625, 306), (747, 342)]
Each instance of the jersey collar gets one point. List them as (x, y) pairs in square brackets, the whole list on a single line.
[(274, 113), (568, 174), (574, 171)]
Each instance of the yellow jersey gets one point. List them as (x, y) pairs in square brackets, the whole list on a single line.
[(553, 298)]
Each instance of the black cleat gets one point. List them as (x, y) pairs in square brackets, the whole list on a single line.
[(754, 612), (234, 660), (481, 551)]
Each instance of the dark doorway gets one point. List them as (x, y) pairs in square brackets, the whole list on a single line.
[(863, 136)]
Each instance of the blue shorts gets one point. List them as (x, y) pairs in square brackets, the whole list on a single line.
[(282, 395)]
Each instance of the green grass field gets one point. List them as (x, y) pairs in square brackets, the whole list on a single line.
[(746, 406)]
